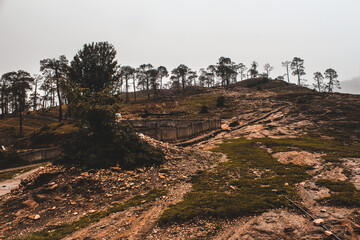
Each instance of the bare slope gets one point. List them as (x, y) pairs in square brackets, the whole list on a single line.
[(277, 140)]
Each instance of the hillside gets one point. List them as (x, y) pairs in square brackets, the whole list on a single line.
[(278, 142)]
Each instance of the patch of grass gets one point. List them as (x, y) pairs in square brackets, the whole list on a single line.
[(334, 150), (343, 199), (345, 193), (336, 186), (332, 157), (60, 231), (29, 124), (280, 149), (251, 182)]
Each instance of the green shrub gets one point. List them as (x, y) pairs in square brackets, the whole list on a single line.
[(220, 101), (45, 128), (345, 194), (336, 186), (121, 146), (10, 159), (204, 109)]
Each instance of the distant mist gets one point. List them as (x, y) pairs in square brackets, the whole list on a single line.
[(350, 86)]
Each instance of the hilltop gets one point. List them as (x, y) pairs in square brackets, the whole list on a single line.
[(277, 139)]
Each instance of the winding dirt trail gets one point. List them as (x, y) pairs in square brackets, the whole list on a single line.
[(7, 185)]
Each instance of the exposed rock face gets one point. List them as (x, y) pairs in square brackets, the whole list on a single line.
[(299, 157)]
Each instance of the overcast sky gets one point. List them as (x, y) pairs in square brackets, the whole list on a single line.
[(325, 33)]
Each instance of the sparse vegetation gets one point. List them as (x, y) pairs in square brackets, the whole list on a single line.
[(60, 231), (220, 101), (10, 159), (10, 174), (334, 150), (251, 182), (204, 109), (336, 186), (344, 193)]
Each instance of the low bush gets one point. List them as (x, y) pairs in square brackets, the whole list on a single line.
[(204, 109), (10, 159), (344, 193), (121, 147), (220, 101)]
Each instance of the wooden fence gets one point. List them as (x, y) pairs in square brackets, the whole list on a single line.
[(170, 130)]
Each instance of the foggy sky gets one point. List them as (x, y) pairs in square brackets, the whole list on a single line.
[(325, 33)]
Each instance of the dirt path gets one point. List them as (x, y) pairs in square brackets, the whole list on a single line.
[(8, 185), (22, 167), (134, 223)]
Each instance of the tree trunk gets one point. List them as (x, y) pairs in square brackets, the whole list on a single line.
[(147, 88), (126, 89), (134, 90), (20, 114), (183, 83), (35, 97), (154, 87), (2, 105), (287, 73), (59, 98), (298, 73)]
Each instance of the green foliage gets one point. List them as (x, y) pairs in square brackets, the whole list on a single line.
[(94, 67), (204, 109), (120, 146), (102, 142), (251, 182), (347, 199), (62, 230), (95, 110), (220, 101), (336, 186), (334, 150), (10, 159), (346, 193)]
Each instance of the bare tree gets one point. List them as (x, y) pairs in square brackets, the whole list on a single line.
[(35, 95), (127, 72), (242, 68), (297, 65), (268, 68), (20, 83), (143, 75), (332, 75), (253, 69), (319, 85), (286, 64), (192, 77), (163, 72), (225, 70), (58, 70), (181, 72), (5, 91)]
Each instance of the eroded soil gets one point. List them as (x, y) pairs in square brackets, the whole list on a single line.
[(56, 195)]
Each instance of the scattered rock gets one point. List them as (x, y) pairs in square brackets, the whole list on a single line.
[(34, 216), (318, 221)]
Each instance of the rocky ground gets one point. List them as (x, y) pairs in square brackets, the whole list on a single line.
[(56, 195)]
